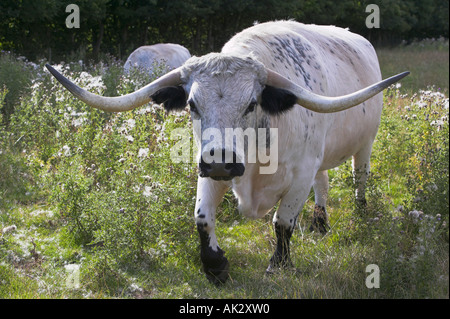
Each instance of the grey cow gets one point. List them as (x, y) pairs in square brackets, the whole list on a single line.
[(147, 57)]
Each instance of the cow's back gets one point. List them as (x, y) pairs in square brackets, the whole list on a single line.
[(291, 48), (326, 60)]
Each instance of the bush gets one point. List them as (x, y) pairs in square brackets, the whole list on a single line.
[(15, 76)]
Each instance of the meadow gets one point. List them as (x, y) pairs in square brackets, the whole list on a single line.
[(92, 206)]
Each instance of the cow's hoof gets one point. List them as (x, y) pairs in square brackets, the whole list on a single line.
[(361, 206), (275, 269), (279, 263), (319, 225), (219, 274), (272, 270), (320, 220)]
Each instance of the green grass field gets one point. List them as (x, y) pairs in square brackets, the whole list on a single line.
[(99, 191), (427, 60)]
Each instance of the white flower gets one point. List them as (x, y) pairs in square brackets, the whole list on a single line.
[(437, 123), (78, 122), (9, 229), (127, 125), (130, 123), (422, 105), (66, 150), (134, 287), (143, 152), (147, 191)]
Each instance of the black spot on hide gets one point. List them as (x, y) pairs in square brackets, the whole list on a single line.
[(173, 98), (276, 101)]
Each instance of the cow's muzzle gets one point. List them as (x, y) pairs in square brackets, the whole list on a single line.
[(224, 170)]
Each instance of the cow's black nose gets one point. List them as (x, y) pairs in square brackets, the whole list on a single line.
[(225, 169)]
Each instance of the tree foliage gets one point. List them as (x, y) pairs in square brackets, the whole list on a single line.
[(36, 28)]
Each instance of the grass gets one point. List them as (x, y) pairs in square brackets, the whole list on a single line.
[(427, 60), (100, 191)]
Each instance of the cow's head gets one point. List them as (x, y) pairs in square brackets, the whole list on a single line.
[(228, 100), (224, 92)]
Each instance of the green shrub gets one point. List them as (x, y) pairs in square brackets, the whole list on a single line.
[(16, 76)]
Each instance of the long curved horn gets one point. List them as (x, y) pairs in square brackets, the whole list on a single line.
[(119, 103), (324, 104)]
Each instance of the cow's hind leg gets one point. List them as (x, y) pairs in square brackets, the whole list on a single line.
[(209, 195), (361, 171), (320, 218)]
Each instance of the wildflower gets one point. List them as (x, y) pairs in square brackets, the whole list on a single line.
[(438, 123), (147, 191), (127, 125), (144, 110), (66, 150), (9, 229), (130, 138), (78, 122), (422, 105), (130, 123), (143, 152), (135, 288), (415, 215)]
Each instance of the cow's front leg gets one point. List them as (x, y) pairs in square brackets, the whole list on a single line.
[(281, 257), (209, 195), (284, 222)]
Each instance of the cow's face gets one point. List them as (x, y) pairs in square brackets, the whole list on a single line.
[(223, 100), (228, 102)]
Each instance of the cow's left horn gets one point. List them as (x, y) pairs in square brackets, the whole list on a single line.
[(324, 104), (119, 103)]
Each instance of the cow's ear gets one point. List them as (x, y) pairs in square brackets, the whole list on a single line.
[(276, 101), (173, 97)]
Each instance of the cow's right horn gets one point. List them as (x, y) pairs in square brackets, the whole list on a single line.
[(119, 103)]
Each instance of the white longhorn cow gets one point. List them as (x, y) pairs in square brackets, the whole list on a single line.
[(168, 55), (318, 85)]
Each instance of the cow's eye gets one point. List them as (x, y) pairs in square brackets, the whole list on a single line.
[(250, 108), (193, 107)]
